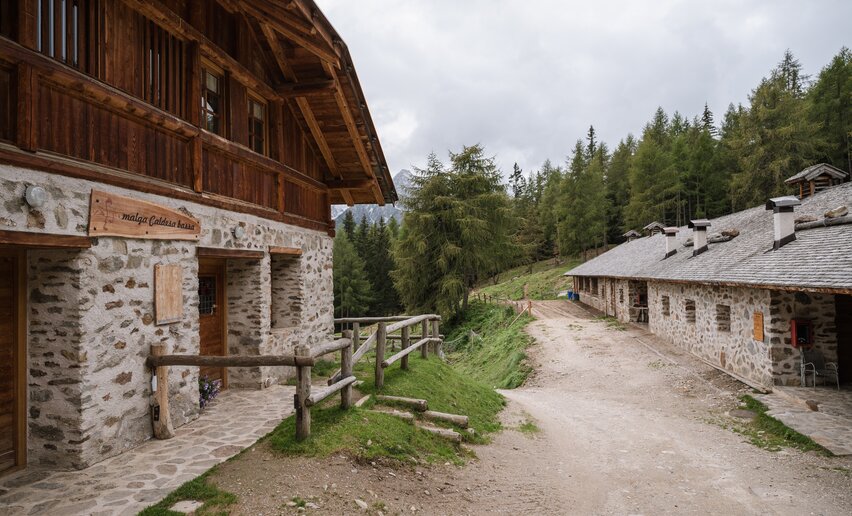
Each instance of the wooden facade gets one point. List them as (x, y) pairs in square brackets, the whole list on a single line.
[(248, 106)]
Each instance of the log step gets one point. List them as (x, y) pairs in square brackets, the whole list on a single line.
[(365, 399), (456, 419), (446, 433), (416, 404), (408, 416)]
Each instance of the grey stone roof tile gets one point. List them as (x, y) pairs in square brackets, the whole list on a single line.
[(818, 258)]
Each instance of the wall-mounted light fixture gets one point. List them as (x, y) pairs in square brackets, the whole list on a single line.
[(239, 232), (35, 196)]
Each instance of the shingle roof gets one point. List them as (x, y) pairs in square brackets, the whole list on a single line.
[(816, 171), (819, 258)]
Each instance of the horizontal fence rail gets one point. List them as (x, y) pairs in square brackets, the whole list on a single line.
[(303, 359)]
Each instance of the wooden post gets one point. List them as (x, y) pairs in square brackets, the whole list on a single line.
[(436, 332), (356, 336), (381, 342), (406, 341), (303, 391), (161, 417), (346, 371), (424, 349)]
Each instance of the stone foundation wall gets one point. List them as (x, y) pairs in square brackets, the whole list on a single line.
[(785, 306), (91, 316), (734, 350), (56, 359), (613, 298)]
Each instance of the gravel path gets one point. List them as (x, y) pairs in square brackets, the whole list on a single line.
[(627, 424)]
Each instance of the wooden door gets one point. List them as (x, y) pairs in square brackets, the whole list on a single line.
[(212, 315), (843, 321), (11, 377)]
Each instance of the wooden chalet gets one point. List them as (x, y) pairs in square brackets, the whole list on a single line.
[(167, 171)]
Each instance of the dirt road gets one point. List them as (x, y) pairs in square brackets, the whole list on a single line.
[(627, 426), (626, 431)]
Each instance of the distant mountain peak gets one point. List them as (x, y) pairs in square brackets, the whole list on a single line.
[(374, 212)]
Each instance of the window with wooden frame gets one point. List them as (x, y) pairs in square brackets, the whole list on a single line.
[(213, 99), (689, 310), (164, 59), (6, 108), (8, 18), (257, 124), (62, 30)]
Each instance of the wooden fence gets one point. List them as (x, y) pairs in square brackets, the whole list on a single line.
[(303, 360)]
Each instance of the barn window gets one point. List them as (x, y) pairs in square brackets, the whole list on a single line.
[(723, 317), (257, 124), (5, 104), (595, 286), (667, 309), (213, 100), (164, 58), (206, 295), (621, 295), (61, 29), (689, 308), (8, 18)]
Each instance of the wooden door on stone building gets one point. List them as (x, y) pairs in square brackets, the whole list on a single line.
[(843, 322), (12, 386), (212, 315)]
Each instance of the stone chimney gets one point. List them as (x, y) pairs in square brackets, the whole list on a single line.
[(671, 241), (699, 235), (784, 218)]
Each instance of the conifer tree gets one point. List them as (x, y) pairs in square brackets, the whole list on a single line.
[(456, 231), (831, 107), (349, 225), (352, 289)]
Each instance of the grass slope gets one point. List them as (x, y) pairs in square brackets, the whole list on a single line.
[(367, 435), (498, 356), (769, 433), (215, 500), (544, 282)]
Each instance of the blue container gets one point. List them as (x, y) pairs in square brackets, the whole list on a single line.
[(576, 296)]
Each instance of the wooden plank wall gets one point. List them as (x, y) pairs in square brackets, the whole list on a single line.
[(115, 46)]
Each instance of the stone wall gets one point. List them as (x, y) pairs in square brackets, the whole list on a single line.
[(785, 306), (56, 359), (91, 316), (613, 297), (733, 350)]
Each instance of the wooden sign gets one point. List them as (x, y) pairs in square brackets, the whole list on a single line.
[(758, 326), (115, 215), (168, 293)]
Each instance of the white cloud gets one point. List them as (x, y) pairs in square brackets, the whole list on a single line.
[(527, 78)]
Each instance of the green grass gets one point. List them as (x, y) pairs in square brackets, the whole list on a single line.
[(544, 282), (368, 436), (498, 358), (770, 434), (215, 500), (611, 322)]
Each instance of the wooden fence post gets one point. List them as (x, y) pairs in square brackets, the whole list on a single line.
[(381, 342), (436, 334), (303, 391), (424, 349), (356, 336), (346, 371), (161, 417), (406, 341)]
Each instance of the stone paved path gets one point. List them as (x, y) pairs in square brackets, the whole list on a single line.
[(830, 426), (129, 482)]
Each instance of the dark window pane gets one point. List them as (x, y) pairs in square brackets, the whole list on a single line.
[(206, 295)]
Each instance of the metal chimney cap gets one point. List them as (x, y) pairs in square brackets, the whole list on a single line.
[(699, 224), (788, 201)]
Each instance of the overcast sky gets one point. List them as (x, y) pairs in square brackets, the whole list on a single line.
[(526, 78)]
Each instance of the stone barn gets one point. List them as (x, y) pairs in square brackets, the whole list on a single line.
[(733, 290), (166, 176)]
